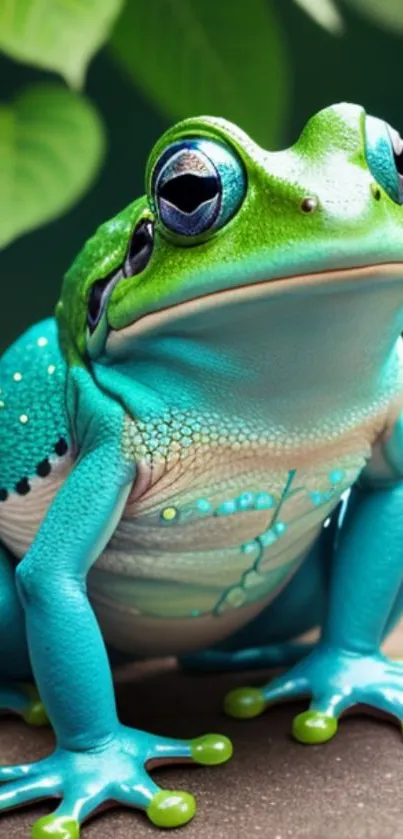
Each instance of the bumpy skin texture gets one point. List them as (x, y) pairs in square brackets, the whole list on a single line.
[(227, 365)]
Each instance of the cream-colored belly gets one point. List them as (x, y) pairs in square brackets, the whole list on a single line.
[(199, 552)]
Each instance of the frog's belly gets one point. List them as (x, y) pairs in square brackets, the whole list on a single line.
[(195, 558), (186, 601)]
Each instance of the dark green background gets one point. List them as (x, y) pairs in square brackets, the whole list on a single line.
[(364, 65)]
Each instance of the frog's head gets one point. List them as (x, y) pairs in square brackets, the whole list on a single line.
[(224, 220)]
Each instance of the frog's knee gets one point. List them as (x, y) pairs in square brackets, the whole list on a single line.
[(30, 585)]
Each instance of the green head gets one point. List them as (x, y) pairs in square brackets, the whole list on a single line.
[(225, 221)]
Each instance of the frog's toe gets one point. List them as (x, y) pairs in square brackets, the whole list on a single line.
[(248, 702), (312, 727), (23, 699), (34, 713), (211, 749), (244, 703), (171, 809), (14, 773), (57, 827), (22, 792), (208, 750)]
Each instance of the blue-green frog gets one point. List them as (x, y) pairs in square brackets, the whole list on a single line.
[(201, 455)]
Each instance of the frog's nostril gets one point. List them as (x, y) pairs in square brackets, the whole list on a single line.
[(97, 298), (309, 205), (376, 192)]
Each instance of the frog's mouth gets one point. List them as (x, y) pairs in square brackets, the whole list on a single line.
[(118, 339)]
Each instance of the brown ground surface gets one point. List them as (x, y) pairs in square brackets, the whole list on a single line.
[(273, 788)]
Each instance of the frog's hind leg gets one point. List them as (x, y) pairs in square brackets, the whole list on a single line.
[(268, 641), (347, 668), (17, 693)]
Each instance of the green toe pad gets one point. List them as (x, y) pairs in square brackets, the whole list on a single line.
[(56, 827), (35, 713), (244, 703), (314, 727), (171, 809), (211, 749)]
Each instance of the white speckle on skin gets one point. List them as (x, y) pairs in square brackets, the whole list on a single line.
[(2, 404), (42, 342), (23, 418), (51, 369), (17, 377)]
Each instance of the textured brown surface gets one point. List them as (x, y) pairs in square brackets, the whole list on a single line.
[(273, 788)]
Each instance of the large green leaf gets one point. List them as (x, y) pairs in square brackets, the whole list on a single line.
[(59, 35), (51, 145), (196, 57), (386, 13), (323, 12)]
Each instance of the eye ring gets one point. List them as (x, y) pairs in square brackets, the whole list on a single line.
[(197, 186)]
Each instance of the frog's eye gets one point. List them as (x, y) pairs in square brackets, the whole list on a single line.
[(384, 150), (197, 185)]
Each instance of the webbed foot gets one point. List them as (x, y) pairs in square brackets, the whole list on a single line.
[(336, 680), (114, 772)]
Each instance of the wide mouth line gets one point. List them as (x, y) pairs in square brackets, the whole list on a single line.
[(254, 290)]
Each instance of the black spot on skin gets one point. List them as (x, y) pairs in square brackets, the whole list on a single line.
[(3, 495), (61, 447), (43, 468), (23, 487)]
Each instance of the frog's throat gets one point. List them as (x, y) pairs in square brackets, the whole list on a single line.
[(259, 291)]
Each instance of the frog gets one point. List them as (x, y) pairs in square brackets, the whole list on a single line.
[(201, 456)]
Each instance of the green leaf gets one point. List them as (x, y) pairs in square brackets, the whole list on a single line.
[(325, 13), (59, 35), (51, 145), (386, 13), (194, 57)]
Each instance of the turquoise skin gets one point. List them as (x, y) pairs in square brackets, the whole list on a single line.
[(224, 376)]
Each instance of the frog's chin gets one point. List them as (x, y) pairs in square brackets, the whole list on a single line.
[(117, 343)]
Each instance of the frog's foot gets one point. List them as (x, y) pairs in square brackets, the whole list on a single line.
[(336, 680), (276, 655), (23, 699), (115, 771)]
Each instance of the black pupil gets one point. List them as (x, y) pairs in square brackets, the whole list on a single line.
[(399, 162), (187, 192)]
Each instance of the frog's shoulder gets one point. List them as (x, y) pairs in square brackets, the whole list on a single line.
[(33, 422)]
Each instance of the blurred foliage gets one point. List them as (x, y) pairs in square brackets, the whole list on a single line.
[(385, 13), (60, 36), (200, 56), (328, 13), (325, 13), (266, 64), (50, 146)]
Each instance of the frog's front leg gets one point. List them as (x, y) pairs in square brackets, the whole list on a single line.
[(347, 667), (17, 693), (97, 759)]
